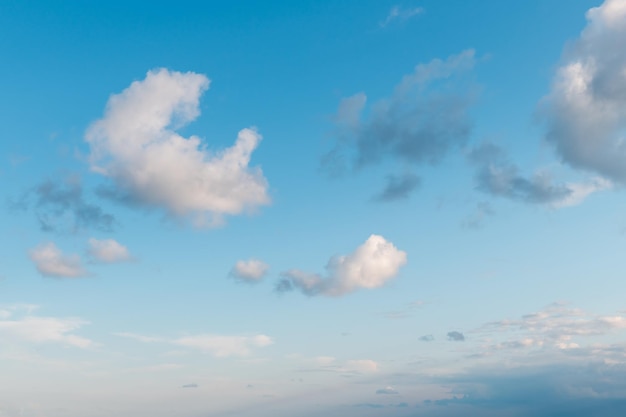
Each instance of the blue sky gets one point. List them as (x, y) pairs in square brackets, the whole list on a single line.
[(353, 208)]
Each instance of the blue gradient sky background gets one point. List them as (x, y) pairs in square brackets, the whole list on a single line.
[(432, 223)]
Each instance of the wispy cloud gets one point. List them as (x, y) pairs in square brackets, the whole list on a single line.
[(21, 325), (400, 14), (498, 176), (61, 207), (425, 117), (220, 346)]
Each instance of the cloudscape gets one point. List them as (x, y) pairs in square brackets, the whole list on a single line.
[(293, 209)]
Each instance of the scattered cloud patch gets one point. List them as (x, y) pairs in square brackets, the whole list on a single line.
[(362, 366), (497, 176), (220, 346), (398, 13), (425, 117), (108, 251), (557, 326), (574, 389), (61, 207), (138, 337), (387, 391), (21, 325), (456, 336), (224, 346), (398, 187), (477, 218), (136, 145), (370, 266), (190, 386), (51, 262), (585, 111), (427, 338), (250, 271)]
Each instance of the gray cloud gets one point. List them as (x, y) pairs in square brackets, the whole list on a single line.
[(427, 338), (190, 386), (585, 111), (61, 207), (498, 176), (398, 187), (425, 117), (456, 336), (573, 390), (477, 218)]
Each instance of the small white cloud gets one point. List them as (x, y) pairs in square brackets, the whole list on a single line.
[(250, 271), (108, 251), (362, 365), (387, 391), (324, 360), (371, 265), (224, 346), (138, 337), (398, 13), (51, 262), (136, 145)]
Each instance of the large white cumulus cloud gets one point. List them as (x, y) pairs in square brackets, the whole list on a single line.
[(586, 109), (136, 145), (371, 265)]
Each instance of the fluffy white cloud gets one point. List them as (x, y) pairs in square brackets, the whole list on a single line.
[(586, 108), (136, 145), (225, 346), (371, 265), (51, 262), (108, 251), (250, 271), (36, 329)]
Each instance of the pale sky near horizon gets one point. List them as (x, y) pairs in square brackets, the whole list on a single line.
[(355, 208)]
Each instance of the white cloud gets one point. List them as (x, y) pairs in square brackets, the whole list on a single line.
[(220, 346), (580, 191), (556, 326), (362, 365), (250, 271), (136, 145), (586, 108), (108, 251), (225, 346), (371, 265), (398, 13), (138, 337), (387, 391), (37, 329), (51, 262)]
